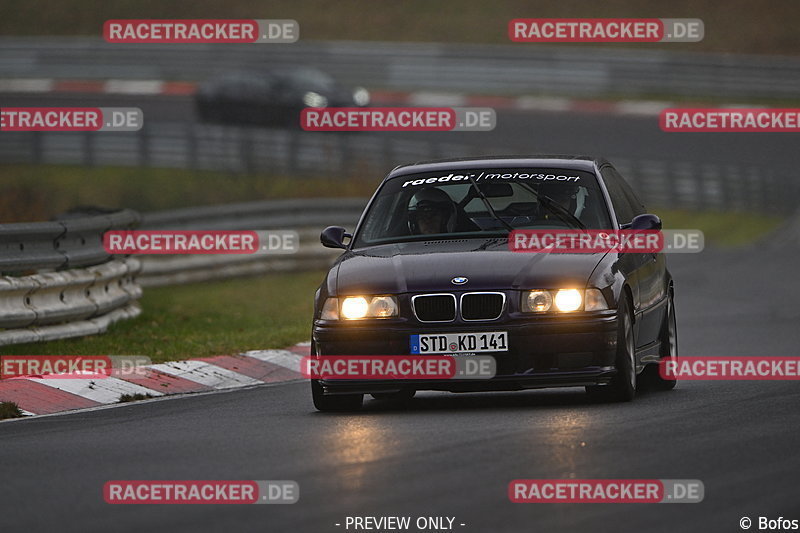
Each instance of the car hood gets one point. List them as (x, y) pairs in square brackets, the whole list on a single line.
[(430, 266)]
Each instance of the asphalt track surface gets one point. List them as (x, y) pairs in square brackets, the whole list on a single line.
[(528, 132), (450, 455), (454, 455)]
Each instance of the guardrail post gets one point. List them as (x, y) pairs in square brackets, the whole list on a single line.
[(734, 182), (144, 145), (757, 186), (345, 163), (37, 147), (672, 185), (246, 149), (64, 301), (88, 149), (191, 143), (293, 152)]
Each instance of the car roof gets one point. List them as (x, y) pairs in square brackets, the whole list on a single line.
[(570, 162)]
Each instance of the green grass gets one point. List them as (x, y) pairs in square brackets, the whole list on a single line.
[(39, 192), (200, 320), (721, 229), (739, 26)]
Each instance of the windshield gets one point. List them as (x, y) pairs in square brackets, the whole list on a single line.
[(476, 203), (308, 79)]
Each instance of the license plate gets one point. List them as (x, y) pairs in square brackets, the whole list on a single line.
[(433, 343)]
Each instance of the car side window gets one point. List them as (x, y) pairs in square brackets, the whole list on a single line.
[(636, 204), (626, 204)]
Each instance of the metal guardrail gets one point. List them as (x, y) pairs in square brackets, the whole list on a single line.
[(513, 68), (268, 214), (70, 303), (85, 290), (66, 285), (76, 302), (676, 183), (76, 288), (520, 68), (73, 241), (62, 301), (307, 216)]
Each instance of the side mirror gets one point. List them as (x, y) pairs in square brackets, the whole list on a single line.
[(333, 237), (645, 222)]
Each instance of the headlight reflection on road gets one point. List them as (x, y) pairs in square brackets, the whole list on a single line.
[(565, 435), (355, 445)]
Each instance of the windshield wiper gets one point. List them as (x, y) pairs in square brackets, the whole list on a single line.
[(560, 211), (490, 242), (556, 208), (488, 204)]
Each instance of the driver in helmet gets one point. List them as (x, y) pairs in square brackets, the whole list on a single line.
[(431, 211), (571, 198)]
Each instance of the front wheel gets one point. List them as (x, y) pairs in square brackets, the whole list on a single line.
[(339, 402), (623, 385), (669, 349)]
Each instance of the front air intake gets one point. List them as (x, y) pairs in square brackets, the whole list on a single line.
[(482, 305), (434, 307)]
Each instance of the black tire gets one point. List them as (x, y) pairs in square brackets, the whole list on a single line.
[(669, 348), (338, 402), (623, 385), (400, 396)]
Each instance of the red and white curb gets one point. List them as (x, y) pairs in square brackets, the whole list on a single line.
[(379, 97), (43, 395), (522, 103), (134, 87)]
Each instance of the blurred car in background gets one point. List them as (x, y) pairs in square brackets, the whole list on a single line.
[(272, 98)]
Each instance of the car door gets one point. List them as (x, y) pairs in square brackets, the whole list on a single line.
[(646, 271)]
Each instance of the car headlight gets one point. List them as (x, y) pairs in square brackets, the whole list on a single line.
[(312, 99), (358, 307), (354, 307), (537, 301), (382, 307), (568, 300), (361, 96), (563, 300)]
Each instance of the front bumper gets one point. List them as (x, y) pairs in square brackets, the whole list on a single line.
[(546, 351)]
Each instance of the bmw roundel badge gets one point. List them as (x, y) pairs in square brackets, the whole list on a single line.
[(459, 280)]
